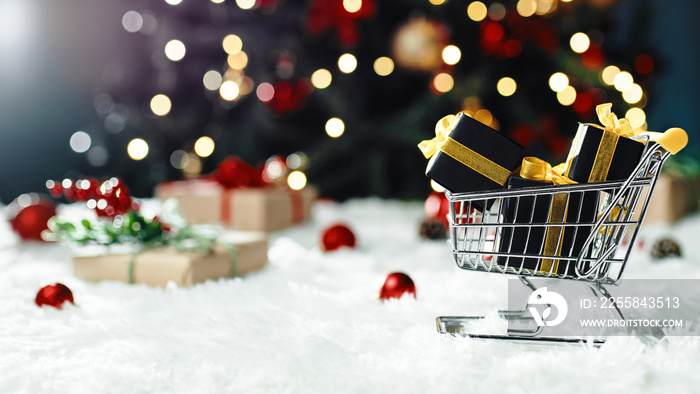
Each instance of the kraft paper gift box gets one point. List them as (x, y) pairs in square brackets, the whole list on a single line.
[(674, 197), (576, 207), (204, 201), (468, 156), (156, 267)]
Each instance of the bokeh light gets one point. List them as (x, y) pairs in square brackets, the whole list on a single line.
[(229, 91), (567, 96), (321, 78), (580, 42), (347, 63), (497, 11), (137, 149), (80, 141), (175, 50), (623, 81), (245, 4), (451, 55), (160, 104), (238, 60), (232, 44), (179, 159), (296, 180), (558, 82), (443, 82), (212, 80), (173, 2), (335, 127), (526, 8), (633, 94), (132, 21), (265, 92), (436, 186), (608, 75), (436, 2), (636, 117), (506, 86), (352, 6), (383, 66), (477, 11), (204, 146)]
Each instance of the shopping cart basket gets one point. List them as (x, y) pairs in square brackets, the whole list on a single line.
[(486, 241)]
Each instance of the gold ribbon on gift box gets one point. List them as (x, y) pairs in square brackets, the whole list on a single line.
[(539, 170), (442, 142), (613, 128)]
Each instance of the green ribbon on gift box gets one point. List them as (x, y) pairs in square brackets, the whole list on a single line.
[(442, 142)]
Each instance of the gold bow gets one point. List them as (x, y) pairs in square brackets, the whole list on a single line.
[(442, 130), (461, 153), (612, 124), (537, 169)]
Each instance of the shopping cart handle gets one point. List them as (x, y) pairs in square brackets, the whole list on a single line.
[(673, 140)]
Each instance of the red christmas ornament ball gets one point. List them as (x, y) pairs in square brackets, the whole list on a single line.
[(337, 236), (29, 215), (55, 295), (396, 285)]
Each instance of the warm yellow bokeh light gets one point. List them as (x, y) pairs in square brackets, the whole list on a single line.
[(436, 2), (567, 96), (633, 94), (175, 50), (443, 82), (232, 44), (506, 86), (335, 127), (296, 180), (321, 78), (477, 11), (137, 149), (238, 61), (347, 63), (204, 146), (229, 91), (484, 116), (160, 104), (580, 42), (545, 6), (623, 81), (526, 7), (558, 82), (636, 116), (608, 75), (352, 6), (383, 66), (245, 4), (436, 186), (217, 1), (451, 55)]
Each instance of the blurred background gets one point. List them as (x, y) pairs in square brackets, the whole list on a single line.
[(344, 90)]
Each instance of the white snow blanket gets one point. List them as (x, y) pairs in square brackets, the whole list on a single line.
[(310, 322)]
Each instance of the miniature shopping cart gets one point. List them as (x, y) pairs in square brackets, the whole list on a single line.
[(593, 254)]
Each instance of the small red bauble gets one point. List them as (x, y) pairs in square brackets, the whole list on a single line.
[(437, 206), (55, 295), (30, 215), (337, 236), (396, 285), (234, 172)]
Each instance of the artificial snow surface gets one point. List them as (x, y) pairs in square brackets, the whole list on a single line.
[(310, 322)]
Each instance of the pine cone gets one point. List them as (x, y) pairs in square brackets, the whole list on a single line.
[(664, 248), (432, 229)]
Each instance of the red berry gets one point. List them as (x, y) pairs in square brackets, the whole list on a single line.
[(337, 236), (54, 295), (234, 172), (396, 285)]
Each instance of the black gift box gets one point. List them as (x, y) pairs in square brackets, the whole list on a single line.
[(580, 208), (584, 150), (456, 176)]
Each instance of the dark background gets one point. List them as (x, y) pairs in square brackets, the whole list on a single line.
[(55, 57)]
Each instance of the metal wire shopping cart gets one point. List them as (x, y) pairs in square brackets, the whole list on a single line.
[(492, 240)]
